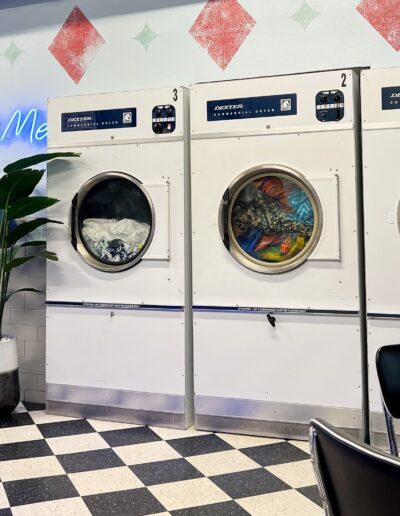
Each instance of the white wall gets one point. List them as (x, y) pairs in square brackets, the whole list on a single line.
[(339, 36)]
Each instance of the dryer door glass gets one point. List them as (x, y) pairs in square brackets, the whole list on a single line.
[(274, 220), (114, 221)]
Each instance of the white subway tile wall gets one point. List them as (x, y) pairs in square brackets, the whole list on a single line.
[(25, 319)]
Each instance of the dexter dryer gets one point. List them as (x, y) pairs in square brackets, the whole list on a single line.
[(118, 331)]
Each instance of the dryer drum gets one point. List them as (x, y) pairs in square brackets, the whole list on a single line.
[(112, 221), (274, 219)]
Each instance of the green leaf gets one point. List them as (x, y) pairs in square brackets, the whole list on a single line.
[(29, 205), (17, 185), (16, 262), (12, 253), (49, 255), (22, 290), (33, 243), (26, 227), (24, 163)]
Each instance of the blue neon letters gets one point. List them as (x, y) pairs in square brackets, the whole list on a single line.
[(24, 125)]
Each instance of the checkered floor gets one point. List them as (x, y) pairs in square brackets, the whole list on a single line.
[(66, 466)]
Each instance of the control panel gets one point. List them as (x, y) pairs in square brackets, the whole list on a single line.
[(391, 98), (164, 119), (329, 106), (100, 119), (252, 107)]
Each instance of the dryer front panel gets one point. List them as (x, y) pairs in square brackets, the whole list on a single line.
[(151, 198), (312, 244), (270, 219), (112, 221)]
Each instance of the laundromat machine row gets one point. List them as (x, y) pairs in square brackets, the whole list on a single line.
[(212, 264)]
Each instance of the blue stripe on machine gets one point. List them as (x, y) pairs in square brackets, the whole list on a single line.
[(117, 306), (274, 310)]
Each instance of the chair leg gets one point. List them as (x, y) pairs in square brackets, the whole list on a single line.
[(391, 433)]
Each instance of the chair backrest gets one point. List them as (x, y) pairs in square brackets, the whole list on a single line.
[(354, 479), (388, 368)]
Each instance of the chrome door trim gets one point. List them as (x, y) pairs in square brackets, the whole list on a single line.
[(236, 186), (74, 226)]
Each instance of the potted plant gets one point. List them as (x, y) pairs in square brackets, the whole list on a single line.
[(16, 203)]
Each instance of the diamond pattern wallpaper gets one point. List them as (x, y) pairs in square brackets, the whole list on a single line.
[(76, 44), (384, 16), (304, 15), (12, 52), (146, 36), (221, 28)]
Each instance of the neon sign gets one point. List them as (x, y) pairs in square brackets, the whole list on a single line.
[(28, 126)]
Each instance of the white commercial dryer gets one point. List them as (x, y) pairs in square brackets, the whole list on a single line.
[(118, 327), (275, 281), (380, 91)]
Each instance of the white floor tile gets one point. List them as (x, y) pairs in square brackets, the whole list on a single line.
[(76, 443), (245, 441), (147, 452), (303, 445), (283, 503), (17, 434), (220, 463), (65, 507), (105, 481), (40, 417), (173, 433), (104, 426), (3, 498), (30, 468), (296, 474), (188, 493)]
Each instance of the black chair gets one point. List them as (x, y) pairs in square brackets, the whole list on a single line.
[(388, 368), (354, 479)]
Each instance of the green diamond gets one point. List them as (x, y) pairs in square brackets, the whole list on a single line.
[(305, 15), (146, 36), (12, 53)]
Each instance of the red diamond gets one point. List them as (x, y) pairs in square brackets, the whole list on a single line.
[(221, 28), (76, 44), (384, 16)]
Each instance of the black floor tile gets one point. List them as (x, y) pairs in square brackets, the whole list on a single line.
[(312, 493), (127, 436), (249, 483), (16, 419), (199, 445), (134, 502), (31, 406), (272, 454), (5, 512), (33, 490), (90, 460), (215, 509), (64, 428), (165, 471), (25, 450)]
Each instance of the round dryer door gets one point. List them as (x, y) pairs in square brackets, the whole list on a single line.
[(270, 219), (112, 221)]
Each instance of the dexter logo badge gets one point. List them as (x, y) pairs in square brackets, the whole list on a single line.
[(286, 104), (127, 117)]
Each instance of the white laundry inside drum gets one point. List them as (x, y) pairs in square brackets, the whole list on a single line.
[(114, 240)]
